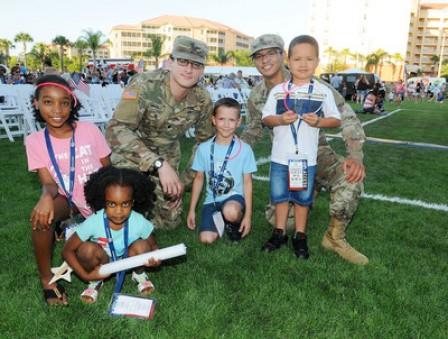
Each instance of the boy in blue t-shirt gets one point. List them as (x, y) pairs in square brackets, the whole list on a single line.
[(228, 164)]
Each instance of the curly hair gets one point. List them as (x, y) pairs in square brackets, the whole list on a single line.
[(74, 110), (142, 188)]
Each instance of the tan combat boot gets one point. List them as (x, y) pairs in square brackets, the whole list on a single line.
[(334, 240)]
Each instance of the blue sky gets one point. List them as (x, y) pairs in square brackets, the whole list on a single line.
[(44, 19)]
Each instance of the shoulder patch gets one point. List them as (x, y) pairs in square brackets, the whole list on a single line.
[(129, 94)]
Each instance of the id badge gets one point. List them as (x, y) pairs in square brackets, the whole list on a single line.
[(219, 222), (298, 172)]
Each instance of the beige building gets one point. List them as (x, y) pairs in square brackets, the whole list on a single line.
[(103, 52), (130, 40), (428, 37)]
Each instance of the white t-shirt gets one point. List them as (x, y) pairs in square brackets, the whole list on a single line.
[(320, 101)]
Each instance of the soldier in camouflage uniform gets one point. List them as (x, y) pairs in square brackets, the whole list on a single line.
[(342, 177), (155, 110)]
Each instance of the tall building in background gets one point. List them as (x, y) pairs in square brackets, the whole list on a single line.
[(352, 29), (428, 37), (129, 40)]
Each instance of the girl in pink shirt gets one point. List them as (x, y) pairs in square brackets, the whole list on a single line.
[(63, 154)]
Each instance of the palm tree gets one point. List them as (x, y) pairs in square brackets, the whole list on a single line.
[(375, 59), (345, 52), (62, 42), (5, 45), (94, 41), (397, 57), (23, 38), (330, 52), (81, 46), (156, 47), (435, 59), (222, 57), (41, 52), (242, 58)]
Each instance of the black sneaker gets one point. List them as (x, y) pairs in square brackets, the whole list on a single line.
[(232, 231), (300, 246), (277, 239)]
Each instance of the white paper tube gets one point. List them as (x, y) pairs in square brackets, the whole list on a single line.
[(141, 259)]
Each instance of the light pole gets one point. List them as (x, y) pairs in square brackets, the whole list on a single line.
[(441, 55)]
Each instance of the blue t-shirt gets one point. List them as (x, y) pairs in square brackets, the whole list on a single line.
[(241, 161), (92, 229)]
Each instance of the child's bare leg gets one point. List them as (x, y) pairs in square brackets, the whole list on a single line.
[(140, 246), (43, 242), (281, 215), (301, 217), (208, 237), (90, 255), (232, 211), (299, 241), (278, 237)]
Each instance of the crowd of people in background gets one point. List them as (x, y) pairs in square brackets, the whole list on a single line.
[(102, 74), (371, 95)]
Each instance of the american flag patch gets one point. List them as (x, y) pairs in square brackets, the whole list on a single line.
[(129, 94)]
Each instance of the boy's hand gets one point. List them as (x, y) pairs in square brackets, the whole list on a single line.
[(42, 214), (288, 117), (311, 119), (191, 220), (245, 226)]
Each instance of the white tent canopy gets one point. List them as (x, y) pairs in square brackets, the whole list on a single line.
[(226, 70), (354, 71)]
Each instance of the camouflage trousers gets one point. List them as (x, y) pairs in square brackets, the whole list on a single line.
[(344, 196), (164, 216)]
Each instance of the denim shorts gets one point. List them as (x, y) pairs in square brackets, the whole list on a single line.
[(207, 223), (279, 183)]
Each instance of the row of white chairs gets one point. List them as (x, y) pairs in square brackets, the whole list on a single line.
[(17, 117), (16, 111)]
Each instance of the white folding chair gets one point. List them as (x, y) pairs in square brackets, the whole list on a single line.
[(11, 112), (91, 110)]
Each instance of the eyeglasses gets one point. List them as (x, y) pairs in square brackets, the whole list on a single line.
[(185, 62), (270, 54)]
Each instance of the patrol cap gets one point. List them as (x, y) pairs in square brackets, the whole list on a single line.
[(188, 48), (266, 41)]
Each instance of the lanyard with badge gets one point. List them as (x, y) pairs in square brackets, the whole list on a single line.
[(215, 181), (120, 275), (69, 192), (297, 162)]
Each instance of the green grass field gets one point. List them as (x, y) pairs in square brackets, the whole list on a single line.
[(236, 291)]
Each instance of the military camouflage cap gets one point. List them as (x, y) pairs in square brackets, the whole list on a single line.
[(266, 41), (188, 48)]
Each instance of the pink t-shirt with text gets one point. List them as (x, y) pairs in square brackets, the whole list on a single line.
[(90, 147)]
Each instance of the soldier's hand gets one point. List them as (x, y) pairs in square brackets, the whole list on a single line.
[(354, 171), (171, 184)]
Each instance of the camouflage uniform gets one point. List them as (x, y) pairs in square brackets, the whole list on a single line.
[(147, 125), (344, 196)]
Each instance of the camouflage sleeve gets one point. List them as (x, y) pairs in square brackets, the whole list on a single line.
[(352, 131), (128, 150), (254, 128), (204, 129)]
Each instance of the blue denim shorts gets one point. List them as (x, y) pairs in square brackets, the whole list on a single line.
[(279, 186), (207, 223)]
